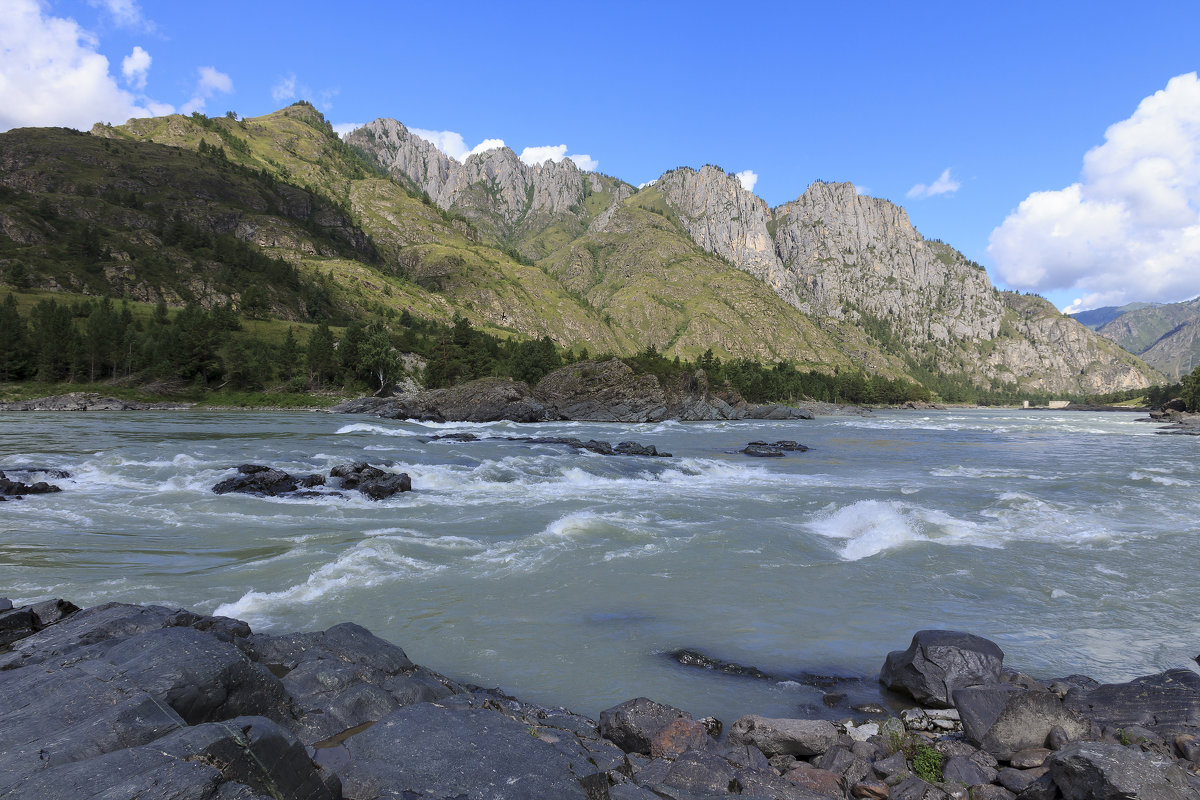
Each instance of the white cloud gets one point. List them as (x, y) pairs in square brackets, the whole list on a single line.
[(557, 152), (453, 144), (209, 83), (585, 162), (862, 190), (135, 67), (540, 155), (1130, 228), (285, 89), (125, 13), (943, 185), (51, 73), (747, 178), (485, 145), (343, 128)]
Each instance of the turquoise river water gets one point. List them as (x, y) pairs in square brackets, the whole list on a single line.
[(564, 577)]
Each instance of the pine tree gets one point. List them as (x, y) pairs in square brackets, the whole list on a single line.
[(14, 341), (320, 355)]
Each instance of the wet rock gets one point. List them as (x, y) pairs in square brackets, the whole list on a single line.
[(16, 624), (694, 658), (797, 737), (938, 662), (11, 488), (1104, 771), (375, 483), (1004, 720), (786, 445), (633, 725), (263, 481), (762, 451)]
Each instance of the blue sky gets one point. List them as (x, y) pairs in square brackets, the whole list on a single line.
[(984, 105)]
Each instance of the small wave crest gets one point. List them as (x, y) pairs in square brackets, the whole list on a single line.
[(873, 526)]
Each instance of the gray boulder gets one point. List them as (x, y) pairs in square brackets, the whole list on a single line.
[(607, 391), (1003, 720), (429, 750), (1105, 771), (1168, 698), (634, 724), (796, 737), (247, 757), (938, 662)]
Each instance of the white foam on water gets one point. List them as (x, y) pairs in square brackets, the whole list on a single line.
[(1162, 480), (376, 430), (1058, 594), (570, 533), (991, 473), (1103, 570), (368, 563), (870, 527)]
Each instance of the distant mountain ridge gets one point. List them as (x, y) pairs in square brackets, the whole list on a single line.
[(383, 222), (839, 258), (1165, 335)]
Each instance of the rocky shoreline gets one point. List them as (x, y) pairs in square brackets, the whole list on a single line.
[(122, 701), (588, 391)]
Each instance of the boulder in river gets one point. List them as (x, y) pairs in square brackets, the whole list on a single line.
[(375, 483), (938, 662), (264, 481)]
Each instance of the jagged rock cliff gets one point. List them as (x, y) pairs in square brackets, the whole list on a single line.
[(513, 201), (837, 254)]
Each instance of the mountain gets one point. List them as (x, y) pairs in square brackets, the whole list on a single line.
[(1165, 335), (280, 214)]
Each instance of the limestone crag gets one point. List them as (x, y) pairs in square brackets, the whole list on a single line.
[(724, 218), (494, 188), (836, 254)]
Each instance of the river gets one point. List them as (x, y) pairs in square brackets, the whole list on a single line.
[(564, 577)]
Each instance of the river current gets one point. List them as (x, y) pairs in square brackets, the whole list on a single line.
[(566, 577)]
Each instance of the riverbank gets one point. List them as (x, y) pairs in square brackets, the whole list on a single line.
[(118, 700)]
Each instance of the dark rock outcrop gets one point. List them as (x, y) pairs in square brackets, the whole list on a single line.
[(87, 401), (375, 483), (1170, 698), (938, 662), (162, 704), (263, 481), (11, 488), (483, 400)]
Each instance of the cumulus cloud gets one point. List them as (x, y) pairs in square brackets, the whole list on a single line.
[(862, 190), (51, 73), (747, 178), (135, 67), (284, 89), (453, 144), (540, 155), (585, 162), (557, 152), (343, 128), (208, 83), (125, 13), (1129, 229), (943, 185)]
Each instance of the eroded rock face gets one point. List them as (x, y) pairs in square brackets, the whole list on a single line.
[(606, 391), (483, 400), (938, 662), (835, 253)]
